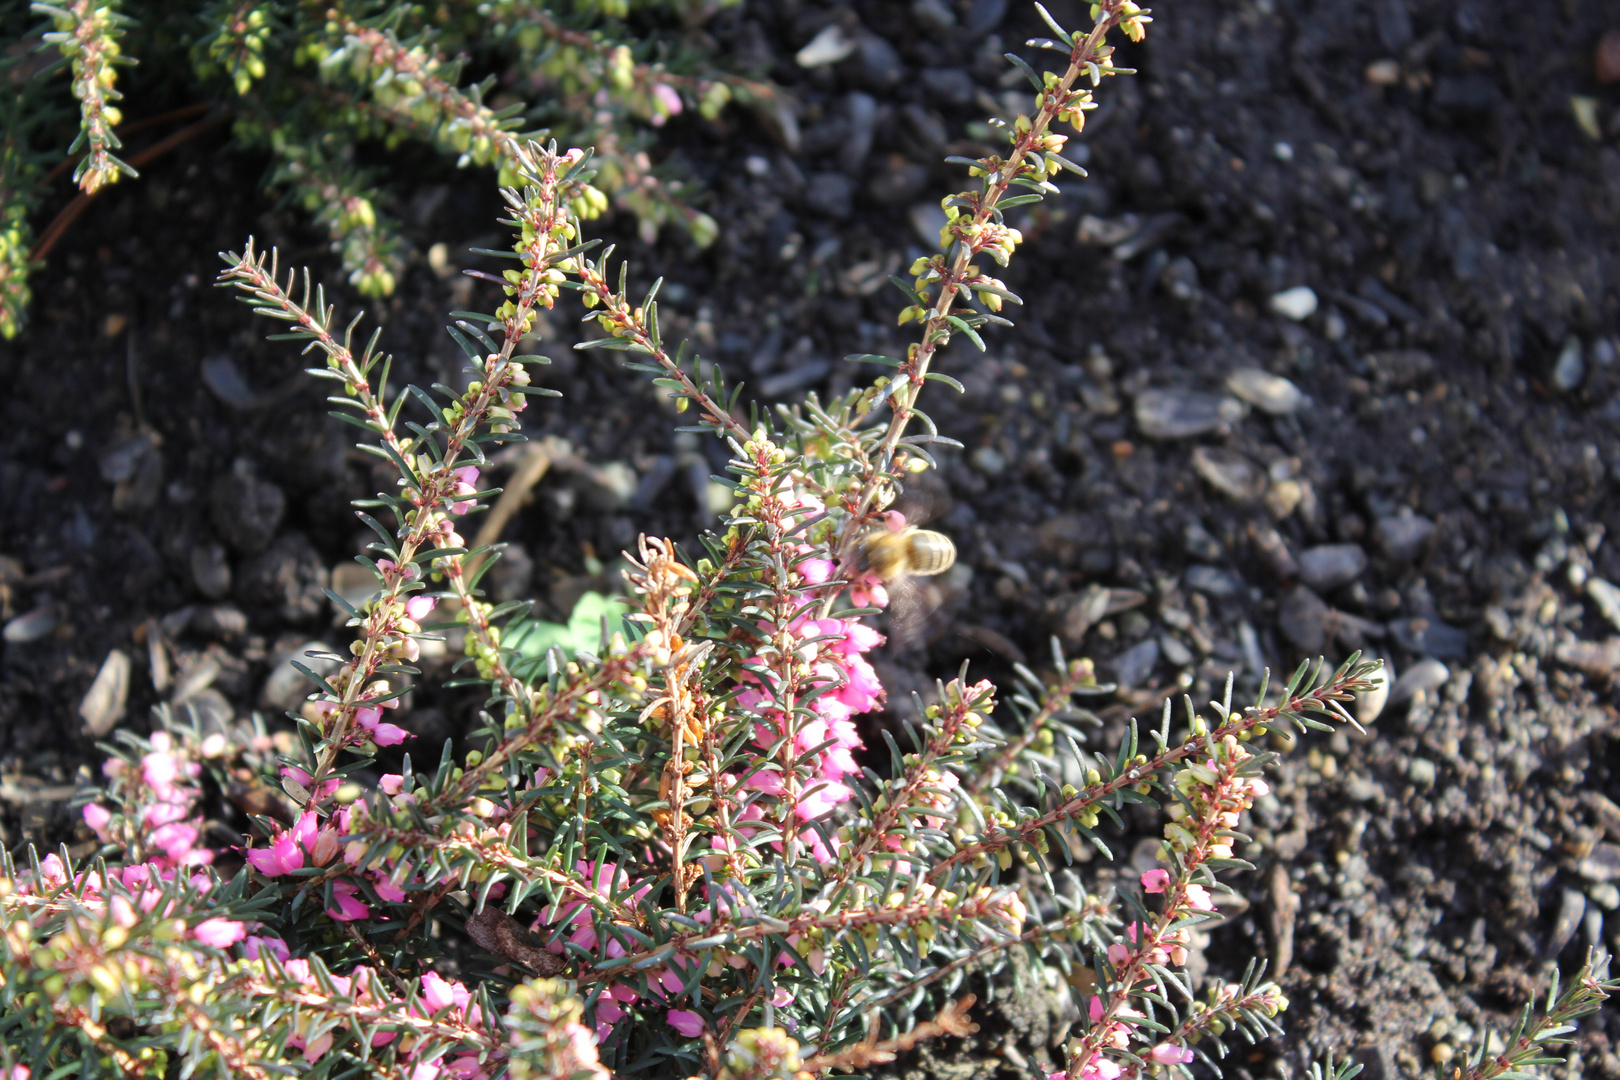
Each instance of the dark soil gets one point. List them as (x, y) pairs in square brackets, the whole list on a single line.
[(1418, 164)]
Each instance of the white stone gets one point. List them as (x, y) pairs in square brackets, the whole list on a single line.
[(1297, 303), (827, 47)]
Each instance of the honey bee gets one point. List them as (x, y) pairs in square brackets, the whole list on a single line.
[(894, 556)]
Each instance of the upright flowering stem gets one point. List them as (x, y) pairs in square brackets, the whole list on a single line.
[(1217, 790), (977, 228), (87, 32), (436, 485)]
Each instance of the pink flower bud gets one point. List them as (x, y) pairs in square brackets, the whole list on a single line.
[(255, 945), (1198, 898), (1170, 1054), (97, 816), (219, 933), (349, 907)]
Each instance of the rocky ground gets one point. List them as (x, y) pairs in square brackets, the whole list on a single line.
[(1321, 357)]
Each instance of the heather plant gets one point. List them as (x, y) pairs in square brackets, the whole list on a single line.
[(669, 849), (313, 85)]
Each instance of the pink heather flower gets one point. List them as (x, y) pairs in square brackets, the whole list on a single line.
[(464, 1067), (282, 856), (687, 1023), (301, 777), (466, 479), (669, 103), (1198, 898), (20, 1072), (349, 907), (1101, 1068), (864, 691), (51, 872), (426, 1071), (391, 783), (1155, 880), (254, 946), (305, 828), (314, 1051), (1170, 1054), (815, 571), (123, 912), (389, 891), (219, 933), (418, 607), (323, 846), (821, 797), (159, 769), (608, 1011), (97, 817), (389, 735), (370, 718), (437, 993), (161, 813), (869, 592), (175, 840), (782, 998)]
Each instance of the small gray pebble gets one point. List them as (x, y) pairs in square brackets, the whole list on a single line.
[(211, 570), (1604, 895), (1270, 393), (1212, 581), (1303, 620), (1182, 414), (1428, 635), (1328, 566), (608, 487), (1424, 676), (927, 219), (1602, 863), (1298, 303), (1230, 473), (1370, 703), (287, 686), (1570, 368), (1136, 663), (219, 620), (953, 86), (1401, 537), (288, 577), (828, 47), (1177, 654), (1571, 909), (104, 703), (224, 380), (246, 510), (210, 711), (875, 64), (830, 193), (30, 626), (1607, 599), (1199, 543), (989, 460)]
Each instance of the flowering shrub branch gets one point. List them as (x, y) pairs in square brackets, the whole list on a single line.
[(87, 34), (665, 846), (311, 84)]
